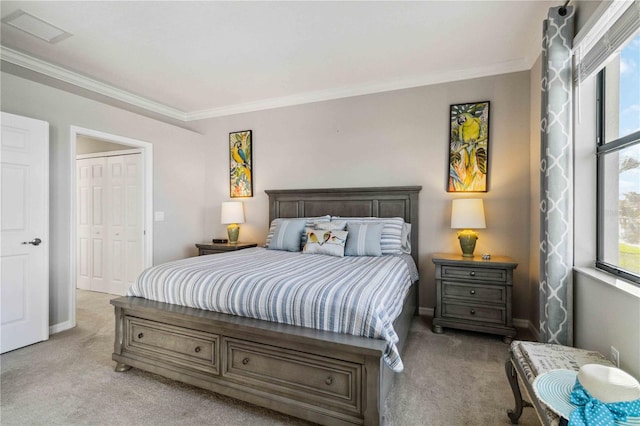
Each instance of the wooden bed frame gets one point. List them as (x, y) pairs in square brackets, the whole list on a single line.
[(324, 377)]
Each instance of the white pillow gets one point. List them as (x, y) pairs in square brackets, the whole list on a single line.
[(334, 225), (406, 238)]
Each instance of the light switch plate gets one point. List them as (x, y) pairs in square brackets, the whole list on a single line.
[(615, 356), (159, 216)]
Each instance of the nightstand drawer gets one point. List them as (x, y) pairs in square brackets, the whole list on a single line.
[(474, 292), (217, 248), (474, 274), (477, 313), (203, 252)]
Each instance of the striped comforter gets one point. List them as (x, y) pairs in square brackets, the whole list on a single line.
[(353, 295)]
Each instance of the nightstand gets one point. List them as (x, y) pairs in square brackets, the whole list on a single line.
[(215, 248), (474, 294)]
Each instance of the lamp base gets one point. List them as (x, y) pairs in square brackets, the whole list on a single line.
[(467, 242), (233, 231)]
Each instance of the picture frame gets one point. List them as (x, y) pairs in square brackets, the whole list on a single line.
[(468, 147), (241, 164)]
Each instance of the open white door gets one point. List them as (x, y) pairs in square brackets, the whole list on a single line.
[(24, 223)]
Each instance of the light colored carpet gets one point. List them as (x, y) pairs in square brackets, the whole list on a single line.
[(455, 378)]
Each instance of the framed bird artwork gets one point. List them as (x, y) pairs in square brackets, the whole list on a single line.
[(240, 164), (469, 147)]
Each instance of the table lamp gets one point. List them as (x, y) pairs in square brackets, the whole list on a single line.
[(232, 214), (467, 213)]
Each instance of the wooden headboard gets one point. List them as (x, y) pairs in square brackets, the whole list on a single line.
[(394, 201)]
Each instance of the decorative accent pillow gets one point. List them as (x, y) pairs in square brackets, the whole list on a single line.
[(391, 238), (311, 222), (287, 235), (334, 225), (364, 239), (320, 241)]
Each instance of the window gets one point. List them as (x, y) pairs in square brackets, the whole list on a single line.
[(618, 151)]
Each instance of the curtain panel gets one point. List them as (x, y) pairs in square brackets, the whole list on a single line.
[(556, 179)]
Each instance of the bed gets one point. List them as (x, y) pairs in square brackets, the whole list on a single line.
[(321, 376)]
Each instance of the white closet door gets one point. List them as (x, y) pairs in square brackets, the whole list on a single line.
[(99, 251), (134, 248), (125, 221), (92, 237), (110, 231), (84, 215)]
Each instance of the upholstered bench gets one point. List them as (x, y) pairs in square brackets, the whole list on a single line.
[(530, 359)]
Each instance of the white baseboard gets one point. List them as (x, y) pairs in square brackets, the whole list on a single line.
[(526, 324), (62, 326), (428, 312), (535, 331), (521, 323)]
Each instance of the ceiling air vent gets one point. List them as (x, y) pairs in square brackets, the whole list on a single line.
[(35, 26)]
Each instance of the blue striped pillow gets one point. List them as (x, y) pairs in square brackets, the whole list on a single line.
[(391, 238), (311, 222), (287, 235), (363, 239)]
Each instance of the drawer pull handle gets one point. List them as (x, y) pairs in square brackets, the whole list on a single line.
[(472, 292), (140, 336), (472, 273), (245, 361), (198, 349), (329, 381), (473, 312)]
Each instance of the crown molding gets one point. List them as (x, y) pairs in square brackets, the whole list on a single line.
[(54, 71), (522, 64)]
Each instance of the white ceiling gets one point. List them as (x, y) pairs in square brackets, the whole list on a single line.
[(193, 60)]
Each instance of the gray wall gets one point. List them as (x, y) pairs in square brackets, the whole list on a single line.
[(393, 138), (584, 10), (178, 174)]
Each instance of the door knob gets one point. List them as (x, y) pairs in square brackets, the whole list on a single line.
[(35, 242)]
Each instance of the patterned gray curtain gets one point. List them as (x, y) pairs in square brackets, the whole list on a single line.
[(556, 180)]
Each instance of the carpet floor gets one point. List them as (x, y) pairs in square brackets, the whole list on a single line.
[(455, 378)]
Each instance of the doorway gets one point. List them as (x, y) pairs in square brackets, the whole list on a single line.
[(83, 143), (109, 216)]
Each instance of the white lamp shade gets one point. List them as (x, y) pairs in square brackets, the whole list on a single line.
[(232, 212), (467, 213)]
